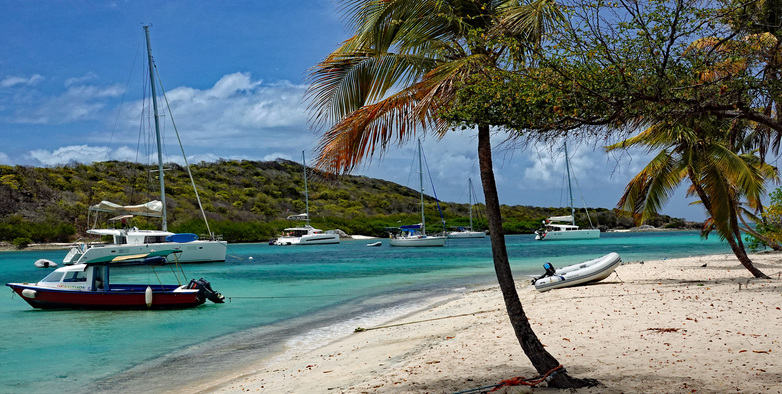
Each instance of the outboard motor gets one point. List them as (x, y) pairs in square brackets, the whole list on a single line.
[(205, 291), (550, 271)]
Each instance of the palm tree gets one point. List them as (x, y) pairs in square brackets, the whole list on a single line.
[(402, 66), (698, 150)]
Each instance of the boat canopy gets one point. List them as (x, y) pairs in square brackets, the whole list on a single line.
[(411, 227), (568, 218), (132, 257), (152, 208), (301, 216)]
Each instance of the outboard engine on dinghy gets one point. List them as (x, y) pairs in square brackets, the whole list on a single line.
[(205, 291), (550, 271)]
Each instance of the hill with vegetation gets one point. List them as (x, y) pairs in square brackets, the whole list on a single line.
[(245, 201)]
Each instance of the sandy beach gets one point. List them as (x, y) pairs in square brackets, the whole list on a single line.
[(698, 324)]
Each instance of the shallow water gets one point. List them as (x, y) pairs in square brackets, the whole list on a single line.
[(276, 297)]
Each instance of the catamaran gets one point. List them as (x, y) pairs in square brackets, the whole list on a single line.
[(556, 228), (305, 235), (131, 240)]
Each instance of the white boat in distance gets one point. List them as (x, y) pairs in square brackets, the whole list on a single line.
[(462, 232), (588, 271), (131, 240), (554, 231), (305, 235), (415, 235)]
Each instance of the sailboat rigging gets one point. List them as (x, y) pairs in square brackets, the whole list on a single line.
[(305, 235), (555, 229), (462, 232), (415, 234), (135, 241)]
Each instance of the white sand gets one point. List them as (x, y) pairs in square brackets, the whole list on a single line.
[(666, 326)]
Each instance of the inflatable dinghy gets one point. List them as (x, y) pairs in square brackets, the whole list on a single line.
[(576, 274), (44, 263)]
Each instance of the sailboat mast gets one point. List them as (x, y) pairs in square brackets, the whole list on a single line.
[(157, 130), (469, 198), (570, 188), (306, 193), (421, 182)]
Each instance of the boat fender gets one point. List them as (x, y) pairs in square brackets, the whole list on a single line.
[(148, 297), (29, 293)]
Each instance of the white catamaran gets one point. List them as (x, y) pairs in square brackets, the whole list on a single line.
[(305, 235), (415, 235), (131, 240), (556, 228)]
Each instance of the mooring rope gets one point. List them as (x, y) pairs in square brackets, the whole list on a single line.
[(360, 329)]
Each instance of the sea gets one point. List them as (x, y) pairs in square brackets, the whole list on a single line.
[(279, 300)]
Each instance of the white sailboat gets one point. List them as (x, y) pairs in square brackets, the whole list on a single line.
[(557, 227), (415, 235), (468, 232), (131, 240), (305, 235)]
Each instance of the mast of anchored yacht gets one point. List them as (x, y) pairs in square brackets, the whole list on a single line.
[(570, 188), (157, 130), (306, 193)]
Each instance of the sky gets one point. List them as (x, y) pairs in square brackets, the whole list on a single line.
[(235, 73)]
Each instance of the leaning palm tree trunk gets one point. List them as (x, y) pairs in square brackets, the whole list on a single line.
[(541, 359)]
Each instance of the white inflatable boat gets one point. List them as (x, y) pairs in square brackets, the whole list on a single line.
[(576, 274)]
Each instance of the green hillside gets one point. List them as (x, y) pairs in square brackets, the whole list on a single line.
[(245, 201)]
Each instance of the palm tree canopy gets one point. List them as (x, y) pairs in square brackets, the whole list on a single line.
[(404, 63)]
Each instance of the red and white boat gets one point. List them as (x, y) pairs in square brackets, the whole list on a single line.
[(88, 286)]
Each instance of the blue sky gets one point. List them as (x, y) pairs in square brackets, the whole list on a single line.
[(235, 73)]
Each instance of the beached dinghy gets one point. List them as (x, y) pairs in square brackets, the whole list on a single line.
[(576, 274)]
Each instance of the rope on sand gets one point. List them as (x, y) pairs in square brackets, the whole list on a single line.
[(360, 329), (518, 381)]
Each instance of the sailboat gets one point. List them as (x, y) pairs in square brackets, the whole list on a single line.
[(305, 235), (130, 240), (462, 232), (555, 228), (415, 234)]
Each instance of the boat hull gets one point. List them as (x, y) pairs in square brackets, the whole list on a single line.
[(417, 241), (576, 274), (192, 252), (568, 235), (119, 297), (467, 234), (315, 239)]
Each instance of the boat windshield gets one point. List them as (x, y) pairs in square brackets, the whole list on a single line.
[(53, 277), (75, 276)]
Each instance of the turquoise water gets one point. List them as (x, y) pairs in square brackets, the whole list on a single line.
[(276, 296)]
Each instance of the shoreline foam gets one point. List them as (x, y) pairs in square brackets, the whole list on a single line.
[(698, 324)]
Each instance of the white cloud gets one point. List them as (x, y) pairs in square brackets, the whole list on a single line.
[(80, 80), (77, 103), (27, 81), (5, 159)]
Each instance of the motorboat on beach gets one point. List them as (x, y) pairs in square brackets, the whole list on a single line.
[(89, 285), (576, 274)]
